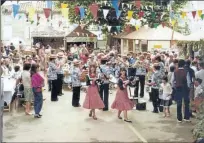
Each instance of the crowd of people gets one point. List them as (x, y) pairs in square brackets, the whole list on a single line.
[(166, 78)]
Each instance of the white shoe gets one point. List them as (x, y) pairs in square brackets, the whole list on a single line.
[(187, 120), (179, 121)]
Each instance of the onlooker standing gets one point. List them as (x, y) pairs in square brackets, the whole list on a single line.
[(37, 84), (28, 93), (200, 73), (181, 83)]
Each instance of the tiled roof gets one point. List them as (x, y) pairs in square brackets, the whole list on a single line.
[(24, 7)]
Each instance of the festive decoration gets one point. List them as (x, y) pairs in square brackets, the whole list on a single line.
[(130, 13), (173, 22), (47, 12), (63, 5), (137, 27), (115, 5), (15, 9), (105, 13), (141, 14), (82, 12), (202, 16), (94, 10), (31, 13), (64, 12), (76, 10), (137, 3), (200, 13), (183, 15), (156, 25), (49, 4), (31, 21), (118, 14), (194, 14), (109, 28)]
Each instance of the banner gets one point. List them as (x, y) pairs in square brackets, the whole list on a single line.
[(94, 10), (47, 12), (15, 9), (105, 13), (49, 4), (82, 12), (64, 5), (64, 12), (31, 13)]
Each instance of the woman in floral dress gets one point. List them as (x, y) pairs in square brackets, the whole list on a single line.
[(92, 100), (122, 101)]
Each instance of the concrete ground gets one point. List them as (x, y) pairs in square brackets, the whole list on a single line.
[(63, 123)]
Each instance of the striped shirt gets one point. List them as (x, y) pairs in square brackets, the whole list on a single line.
[(75, 77), (52, 71)]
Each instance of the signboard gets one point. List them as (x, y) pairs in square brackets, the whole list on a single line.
[(157, 46)]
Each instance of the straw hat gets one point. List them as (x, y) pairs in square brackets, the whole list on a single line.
[(60, 54), (91, 55)]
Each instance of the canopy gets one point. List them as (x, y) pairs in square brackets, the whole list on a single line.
[(46, 31), (155, 34), (195, 36), (80, 34)]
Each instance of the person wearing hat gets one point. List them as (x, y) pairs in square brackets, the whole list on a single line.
[(60, 74), (52, 77), (104, 75), (76, 83)]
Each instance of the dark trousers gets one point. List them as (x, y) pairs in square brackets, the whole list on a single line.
[(49, 85), (54, 91), (182, 94), (156, 100), (59, 83), (140, 82), (76, 96), (38, 101), (104, 94)]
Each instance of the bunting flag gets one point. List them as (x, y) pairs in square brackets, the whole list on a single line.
[(141, 14), (31, 13), (64, 12), (200, 13), (194, 14), (173, 22), (109, 28), (31, 21), (47, 12), (153, 15), (19, 17), (105, 13), (115, 6), (49, 4), (64, 5), (202, 16), (94, 10), (183, 15), (118, 28), (137, 27), (130, 13), (76, 9), (105, 2), (118, 14), (156, 25), (138, 3), (82, 12), (15, 9)]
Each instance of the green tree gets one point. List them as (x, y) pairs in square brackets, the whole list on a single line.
[(154, 13)]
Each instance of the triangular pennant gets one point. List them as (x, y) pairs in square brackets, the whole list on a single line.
[(94, 10), (153, 14), (49, 4), (64, 12), (173, 22), (105, 2), (118, 14), (38, 23), (194, 14), (156, 25), (16, 8), (105, 13), (47, 12), (183, 15), (122, 5), (64, 5), (137, 27), (138, 3), (118, 28), (202, 16), (82, 12), (130, 6), (200, 13), (130, 13), (109, 28), (19, 17), (141, 14), (76, 10), (32, 22), (31, 12)]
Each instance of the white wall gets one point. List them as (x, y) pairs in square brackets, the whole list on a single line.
[(165, 45)]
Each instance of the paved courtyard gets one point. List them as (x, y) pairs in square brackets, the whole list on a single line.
[(63, 123)]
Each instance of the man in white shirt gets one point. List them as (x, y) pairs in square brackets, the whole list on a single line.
[(200, 74), (74, 51)]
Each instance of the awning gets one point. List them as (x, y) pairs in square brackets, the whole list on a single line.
[(81, 39)]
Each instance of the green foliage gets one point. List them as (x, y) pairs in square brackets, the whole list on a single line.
[(149, 8)]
